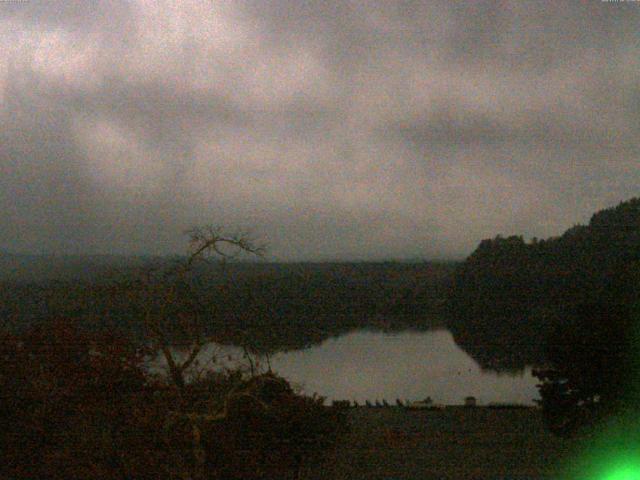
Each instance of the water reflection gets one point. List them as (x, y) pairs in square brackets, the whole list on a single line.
[(365, 365)]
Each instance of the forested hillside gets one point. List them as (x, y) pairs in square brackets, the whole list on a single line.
[(272, 306), (509, 295)]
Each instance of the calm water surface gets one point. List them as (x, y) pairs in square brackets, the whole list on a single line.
[(366, 365)]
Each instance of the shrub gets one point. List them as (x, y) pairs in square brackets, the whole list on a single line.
[(75, 405)]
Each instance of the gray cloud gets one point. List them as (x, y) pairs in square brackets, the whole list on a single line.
[(331, 129)]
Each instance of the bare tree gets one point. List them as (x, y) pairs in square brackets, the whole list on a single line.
[(172, 299)]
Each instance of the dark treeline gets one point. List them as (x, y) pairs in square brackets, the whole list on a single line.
[(510, 298), (265, 306), (39, 269)]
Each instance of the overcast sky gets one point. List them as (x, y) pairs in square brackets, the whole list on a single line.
[(333, 130)]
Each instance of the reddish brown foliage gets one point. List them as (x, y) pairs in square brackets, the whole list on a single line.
[(75, 405)]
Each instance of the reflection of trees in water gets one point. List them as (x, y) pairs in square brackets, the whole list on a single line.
[(506, 355), (285, 333)]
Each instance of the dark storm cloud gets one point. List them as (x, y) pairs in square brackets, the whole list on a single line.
[(331, 129)]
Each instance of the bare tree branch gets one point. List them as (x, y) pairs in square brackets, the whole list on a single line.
[(161, 288), (210, 239)]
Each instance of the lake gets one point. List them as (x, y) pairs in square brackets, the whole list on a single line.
[(369, 365)]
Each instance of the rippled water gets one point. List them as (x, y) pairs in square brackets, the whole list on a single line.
[(366, 365)]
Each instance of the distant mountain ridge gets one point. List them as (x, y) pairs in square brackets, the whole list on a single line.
[(36, 268), (21, 267)]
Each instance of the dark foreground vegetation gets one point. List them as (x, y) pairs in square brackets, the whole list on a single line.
[(78, 402), (80, 406)]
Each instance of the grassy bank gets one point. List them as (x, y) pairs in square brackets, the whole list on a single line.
[(456, 443)]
